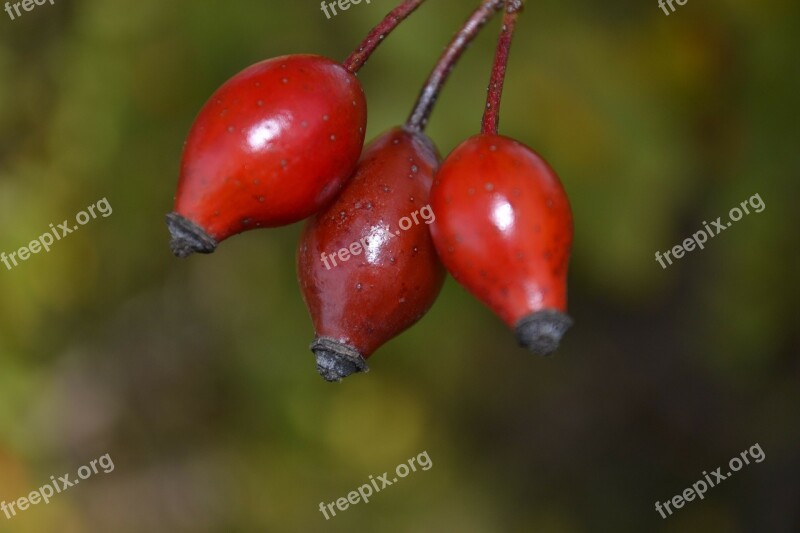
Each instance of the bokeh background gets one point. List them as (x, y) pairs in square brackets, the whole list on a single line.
[(195, 375)]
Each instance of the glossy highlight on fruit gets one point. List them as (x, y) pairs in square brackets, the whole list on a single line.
[(391, 275), (271, 146), (504, 231)]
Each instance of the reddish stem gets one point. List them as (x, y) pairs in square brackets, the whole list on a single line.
[(491, 118), (418, 118), (378, 33)]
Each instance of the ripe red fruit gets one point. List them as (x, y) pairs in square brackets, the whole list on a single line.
[(388, 278), (504, 230), (270, 147)]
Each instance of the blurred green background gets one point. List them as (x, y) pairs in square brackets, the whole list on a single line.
[(195, 375)]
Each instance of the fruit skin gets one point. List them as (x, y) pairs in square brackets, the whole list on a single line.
[(504, 230), (271, 146), (359, 304)]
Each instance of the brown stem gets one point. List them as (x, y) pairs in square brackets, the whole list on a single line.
[(418, 118), (491, 119), (378, 33)]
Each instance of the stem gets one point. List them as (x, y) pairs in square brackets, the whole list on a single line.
[(360, 55), (418, 118), (491, 119)]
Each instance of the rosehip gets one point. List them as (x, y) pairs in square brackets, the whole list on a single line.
[(363, 281), (503, 230), (270, 147)]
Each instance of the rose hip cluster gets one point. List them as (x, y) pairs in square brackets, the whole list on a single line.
[(282, 141)]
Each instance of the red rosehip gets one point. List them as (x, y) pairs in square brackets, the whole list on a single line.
[(270, 147), (366, 271), (504, 230)]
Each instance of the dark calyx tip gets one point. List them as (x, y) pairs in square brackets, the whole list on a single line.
[(336, 360), (188, 237), (541, 332)]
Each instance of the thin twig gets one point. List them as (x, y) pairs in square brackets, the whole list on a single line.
[(418, 119), (491, 118), (360, 55)]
